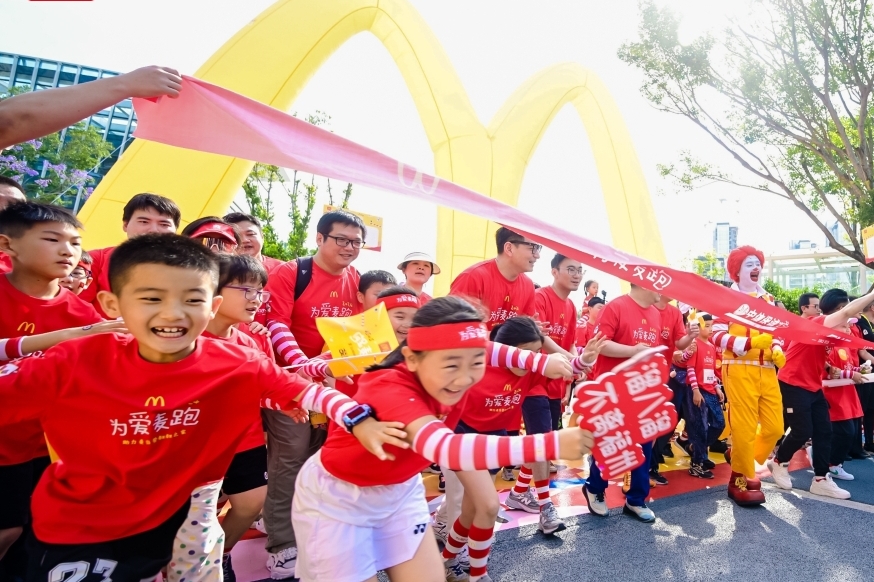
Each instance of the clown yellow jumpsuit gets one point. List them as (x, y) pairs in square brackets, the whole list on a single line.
[(750, 380)]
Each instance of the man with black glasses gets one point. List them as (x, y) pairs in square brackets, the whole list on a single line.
[(324, 285), (808, 305)]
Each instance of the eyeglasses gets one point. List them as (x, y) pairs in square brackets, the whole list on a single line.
[(575, 271), (80, 273), (343, 242), (252, 294), (535, 248)]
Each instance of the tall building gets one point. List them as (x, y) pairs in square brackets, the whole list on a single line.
[(116, 123), (724, 239)]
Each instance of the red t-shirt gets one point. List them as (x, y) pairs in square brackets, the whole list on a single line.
[(394, 395), (495, 402), (134, 437), (704, 362), (672, 328), (424, 298), (21, 315), (585, 332), (502, 298), (5, 263), (271, 264), (255, 435), (625, 322), (805, 364), (560, 319), (326, 296), (100, 273), (843, 401)]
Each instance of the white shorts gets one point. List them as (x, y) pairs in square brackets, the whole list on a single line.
[(347, 533)]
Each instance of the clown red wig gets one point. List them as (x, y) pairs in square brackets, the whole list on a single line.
[(736, 259)]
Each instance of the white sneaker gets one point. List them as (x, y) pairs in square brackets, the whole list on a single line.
[(839, 473), (507, 474), (441, 531), (454, 572), (809, 451), (550, 522), (463, 558), (259, 525), (826, 487), (780, 473), (281, 564)]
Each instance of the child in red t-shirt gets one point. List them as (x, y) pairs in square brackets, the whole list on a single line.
[(844, 406), (161, 410), (80, 278), (705, 420), (344, 504)]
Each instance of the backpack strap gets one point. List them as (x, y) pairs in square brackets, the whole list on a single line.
[(304, 275)]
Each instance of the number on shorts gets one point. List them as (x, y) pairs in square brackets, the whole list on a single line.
[(76, 571), (420, 528)]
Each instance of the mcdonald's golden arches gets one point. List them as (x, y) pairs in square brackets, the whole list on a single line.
[(273, 57)]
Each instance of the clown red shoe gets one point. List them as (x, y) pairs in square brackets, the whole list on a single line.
[(740, 491)]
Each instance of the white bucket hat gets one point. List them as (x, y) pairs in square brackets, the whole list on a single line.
[(425, 257)]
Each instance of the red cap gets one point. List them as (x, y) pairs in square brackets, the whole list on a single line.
[(216, 230)]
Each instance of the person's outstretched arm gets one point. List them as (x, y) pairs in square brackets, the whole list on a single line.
[(40, 113)]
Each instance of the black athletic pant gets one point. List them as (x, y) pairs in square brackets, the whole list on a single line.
[(679, 389), (806, 414), (866, 398), (843, 432)]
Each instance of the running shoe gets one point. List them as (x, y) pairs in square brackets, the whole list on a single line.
[(523, 502), (699, 471), (454, 572), (596, 502), (839, 473), (441, 531), (281, 564), (780, 473), (507, 474), (708, 464), (640, 512), (434, 469), (550, 522), (826, 487), (660, 479)]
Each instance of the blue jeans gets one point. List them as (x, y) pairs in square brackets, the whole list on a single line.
[(639, 491), (541, 414), (704, 423)]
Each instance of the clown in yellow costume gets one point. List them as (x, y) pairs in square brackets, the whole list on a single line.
[(749, 375)]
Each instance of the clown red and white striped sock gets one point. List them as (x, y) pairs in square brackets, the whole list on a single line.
[(542, 489), (455, 540), (523, 481), (479, 545)]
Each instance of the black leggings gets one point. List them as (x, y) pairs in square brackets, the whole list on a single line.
[(806, 414)]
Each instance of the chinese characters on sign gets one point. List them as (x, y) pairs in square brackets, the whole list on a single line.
[(624, 408)]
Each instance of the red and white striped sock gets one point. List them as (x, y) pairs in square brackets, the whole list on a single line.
[(523, 481), (455, 540), (542, 488), (479, 545)]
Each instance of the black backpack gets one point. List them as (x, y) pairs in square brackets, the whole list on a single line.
[(304, 275)]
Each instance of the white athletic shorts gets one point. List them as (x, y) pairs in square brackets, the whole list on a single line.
[(347, 533)]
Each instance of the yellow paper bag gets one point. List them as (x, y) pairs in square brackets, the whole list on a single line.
[(358, 341)]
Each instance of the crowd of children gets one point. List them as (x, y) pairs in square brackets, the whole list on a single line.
[(146, 384)]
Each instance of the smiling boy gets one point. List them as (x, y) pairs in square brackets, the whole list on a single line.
[(161, 410)]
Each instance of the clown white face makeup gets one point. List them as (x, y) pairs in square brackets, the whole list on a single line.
[(750, 273)]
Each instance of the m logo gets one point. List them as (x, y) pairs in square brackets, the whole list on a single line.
[(26, 327), (154, 401), (419, 529), (508, 387), (488, 158), (561, 315), (417, 180), (334, 294)]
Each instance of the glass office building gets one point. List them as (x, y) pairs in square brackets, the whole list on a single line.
[(116, 123)]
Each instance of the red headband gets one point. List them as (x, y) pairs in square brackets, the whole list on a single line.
[(448, 336), (403, 300)]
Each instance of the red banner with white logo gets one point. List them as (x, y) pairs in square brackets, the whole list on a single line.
[(208, 118)]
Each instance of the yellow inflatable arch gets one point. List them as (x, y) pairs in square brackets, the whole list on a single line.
[(275, 55)]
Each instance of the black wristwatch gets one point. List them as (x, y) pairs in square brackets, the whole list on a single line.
[(357, 415)]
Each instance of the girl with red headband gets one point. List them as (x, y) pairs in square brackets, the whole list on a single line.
[(353, 517)]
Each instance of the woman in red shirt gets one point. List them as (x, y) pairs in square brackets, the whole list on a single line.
[(353, 517), (844, 406)]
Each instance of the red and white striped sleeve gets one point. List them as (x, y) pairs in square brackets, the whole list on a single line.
[(319, 398), (472, 452), (581, 367), (723, 340), (503, 356), (317, 367), (10, 349), (286, 346)]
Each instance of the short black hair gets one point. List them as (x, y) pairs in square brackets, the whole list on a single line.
[(555, 263), (240, 268), (16, 219), (516, 331), (804, 299), (595, 301), (161, 205), (397, 290), (504, 235), (170, 250), (192, 226), (238, 217), (371, 278), (7, 181), (329, 219), (86, 258), (832, 300)]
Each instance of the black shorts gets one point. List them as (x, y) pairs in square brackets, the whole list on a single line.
[(541, 414), (134, 558), (16, 486), (248, 471)]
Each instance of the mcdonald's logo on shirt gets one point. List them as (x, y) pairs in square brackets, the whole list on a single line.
[(27, 327), (154, 401), (334, 294), (508, 387)]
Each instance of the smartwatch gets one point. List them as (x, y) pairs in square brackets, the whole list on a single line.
[(357, 415)]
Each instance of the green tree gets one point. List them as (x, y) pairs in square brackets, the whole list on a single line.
[(789, 297), (52, 171), (302, 193), (786, 94), (709, 266)]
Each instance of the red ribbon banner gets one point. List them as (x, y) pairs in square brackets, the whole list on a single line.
[(211, 119)]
